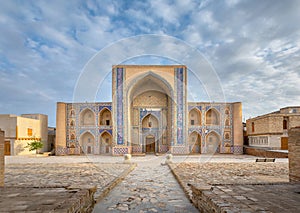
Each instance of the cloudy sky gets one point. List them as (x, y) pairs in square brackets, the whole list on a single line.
[(252, 45)]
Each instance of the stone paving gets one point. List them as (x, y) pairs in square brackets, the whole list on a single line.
[(240, 187), (151, 187), (34, 200), (63, 175)]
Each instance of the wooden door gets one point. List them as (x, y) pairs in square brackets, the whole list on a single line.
[(150, 145), (7, 148), (284, 143)]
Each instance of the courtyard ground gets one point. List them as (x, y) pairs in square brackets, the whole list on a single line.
[(151, 187)]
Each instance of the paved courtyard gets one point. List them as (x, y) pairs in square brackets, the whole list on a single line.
[(242, 186), (151, 187)]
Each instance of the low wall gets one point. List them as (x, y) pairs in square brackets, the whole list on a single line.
[(259, 152), (83, 201), (202, 200), (294, 154), (1, 158)]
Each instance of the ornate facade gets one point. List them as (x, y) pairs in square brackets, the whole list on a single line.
[(149, 113)]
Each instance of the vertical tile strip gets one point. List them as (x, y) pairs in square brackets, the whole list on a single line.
[(179, 79), (120, 106)]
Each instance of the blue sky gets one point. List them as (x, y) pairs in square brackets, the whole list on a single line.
[(252, 45)]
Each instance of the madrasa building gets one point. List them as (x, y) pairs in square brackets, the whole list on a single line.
[(149, 113)]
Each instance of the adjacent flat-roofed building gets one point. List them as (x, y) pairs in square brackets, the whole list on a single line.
[(271, 130), (20, 130), (149, 113)]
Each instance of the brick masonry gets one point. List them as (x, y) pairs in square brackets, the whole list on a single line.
[(1, 158), (294, 154)]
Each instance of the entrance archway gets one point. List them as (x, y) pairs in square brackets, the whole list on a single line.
[(150, 101), (195, 143), (150, 129)]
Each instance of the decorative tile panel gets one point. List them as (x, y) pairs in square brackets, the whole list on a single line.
[(180, 106), (120, 110)]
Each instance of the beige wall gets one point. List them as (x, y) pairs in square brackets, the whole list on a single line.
[(8, 124), (271, 125), (43, 123), (1, 158), (265, 124), (294, 121), (237, 124), (17, 131), (60, 140)]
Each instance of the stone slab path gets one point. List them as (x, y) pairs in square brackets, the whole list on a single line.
[(151, 187)]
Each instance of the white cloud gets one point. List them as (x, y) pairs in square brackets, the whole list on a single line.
[(253, 46)]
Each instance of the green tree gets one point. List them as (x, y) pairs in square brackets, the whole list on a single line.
[(34, 145)]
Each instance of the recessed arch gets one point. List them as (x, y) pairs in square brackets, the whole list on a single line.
[(72, 137), (195, 142), (212, 117), (87, 142), (105, 117), (72, 112), (162, 84), (105, 139), (150, 121), (213, 141), (195, 117), (87, 117), (227, 135), (227, 122)]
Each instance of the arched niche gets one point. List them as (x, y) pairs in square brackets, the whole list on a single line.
[(105, 118), (195, 142), (87, 141), (212, 117), (212, 142), (87, 118), (195, 117), (105, 142), (150, 121)]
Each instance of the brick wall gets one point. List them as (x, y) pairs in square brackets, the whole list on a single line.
[(294, 154), (1, 158), (264, 153)]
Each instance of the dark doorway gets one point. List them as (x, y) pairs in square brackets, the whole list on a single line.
[(150, 144)]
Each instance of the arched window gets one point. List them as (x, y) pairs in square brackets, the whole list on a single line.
[(212, 117), (253, 127), (72, 123), (72, 113)]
